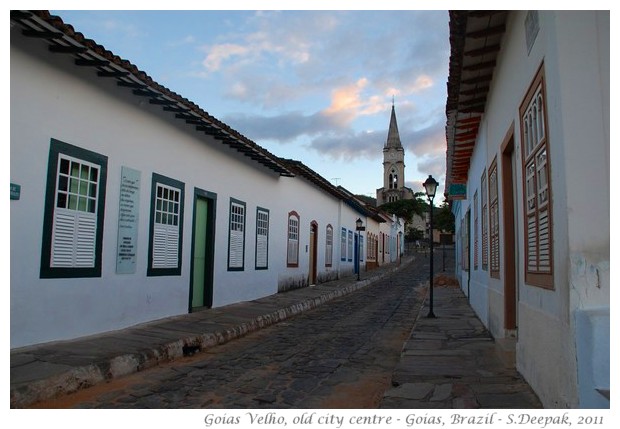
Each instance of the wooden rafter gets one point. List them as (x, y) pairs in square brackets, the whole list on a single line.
[(480, 66), (473, 119), (91, 63), (42, 34), (477, 79), (465, 136), (115, 73), (489, 31), (162, 101), (61, 49), (472, 101), (491, 49), (477, 90)]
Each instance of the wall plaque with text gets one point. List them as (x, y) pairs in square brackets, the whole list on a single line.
[(128, 211)]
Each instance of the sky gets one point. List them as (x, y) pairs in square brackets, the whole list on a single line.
[(315, 86)]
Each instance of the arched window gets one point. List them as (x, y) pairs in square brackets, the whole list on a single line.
[(292, 254)]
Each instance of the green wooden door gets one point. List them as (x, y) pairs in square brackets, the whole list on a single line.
[(199, 274)]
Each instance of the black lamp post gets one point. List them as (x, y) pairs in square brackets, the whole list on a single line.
[(359, 226), (430, 186)]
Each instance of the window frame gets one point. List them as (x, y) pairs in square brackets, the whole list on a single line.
[(494, 221), (465, 233), (260, 228), (361, 246), (232, 220), (291, 241), (349, 245), (167, 182), (329, 245), (56, 152), (542, 275), (484, 220), (476, 238), (343, 244)]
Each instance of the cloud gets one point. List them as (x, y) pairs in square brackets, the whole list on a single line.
[(430, 140), (333, 135), (321, 77), (349, 146), (349, 102), (220, 53), (323, 48), (268, 44), (187, 40), (282, 128)]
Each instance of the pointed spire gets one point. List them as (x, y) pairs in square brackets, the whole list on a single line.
[(393, 138)]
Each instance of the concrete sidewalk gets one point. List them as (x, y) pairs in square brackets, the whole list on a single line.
[(452, 361), (53, 369)]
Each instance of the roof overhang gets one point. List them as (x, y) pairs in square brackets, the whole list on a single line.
[(64, 40), (339, 192), (475, 40)]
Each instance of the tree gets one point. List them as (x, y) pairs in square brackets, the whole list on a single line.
[(407, 208), (443, 219), (414, 234)]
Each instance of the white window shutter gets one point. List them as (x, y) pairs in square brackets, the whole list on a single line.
[(165, 246), (236, 249), (261, 251), (86, 237), (73, 239)]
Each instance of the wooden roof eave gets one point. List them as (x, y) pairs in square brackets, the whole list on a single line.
[(475, 40), (63, 39)]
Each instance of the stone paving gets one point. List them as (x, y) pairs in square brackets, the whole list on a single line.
[(452, 361), (338, 351), (348, 346)]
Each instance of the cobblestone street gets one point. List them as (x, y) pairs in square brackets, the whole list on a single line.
[(340, 355)]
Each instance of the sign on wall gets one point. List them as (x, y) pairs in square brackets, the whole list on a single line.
[(128, 210), (457, 191), (15, 191)]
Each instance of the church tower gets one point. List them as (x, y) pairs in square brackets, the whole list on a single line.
[(393, 167)]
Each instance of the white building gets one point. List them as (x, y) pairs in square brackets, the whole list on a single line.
[(528, 174), (129, 203)]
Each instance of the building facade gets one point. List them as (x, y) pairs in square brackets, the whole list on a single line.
[(119, 213), (528, 140), (394, 188)]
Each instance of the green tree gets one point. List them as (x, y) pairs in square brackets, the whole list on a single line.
[(443, 218), (414, 234), (407, 208)]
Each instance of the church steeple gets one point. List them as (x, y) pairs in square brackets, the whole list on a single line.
[(393, 138), (393, 167)]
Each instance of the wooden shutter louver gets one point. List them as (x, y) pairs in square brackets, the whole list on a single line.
[(537, 189), (236, 236)]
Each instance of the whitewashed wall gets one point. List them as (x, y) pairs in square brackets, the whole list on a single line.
[(311, 204), (577, 84), (95, 114), (52, 98)]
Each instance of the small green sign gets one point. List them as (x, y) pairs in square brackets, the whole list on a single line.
[(15, 191), (458, 191)]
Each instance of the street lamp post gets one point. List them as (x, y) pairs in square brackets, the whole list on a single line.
[(359, 226), (430, 186)]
